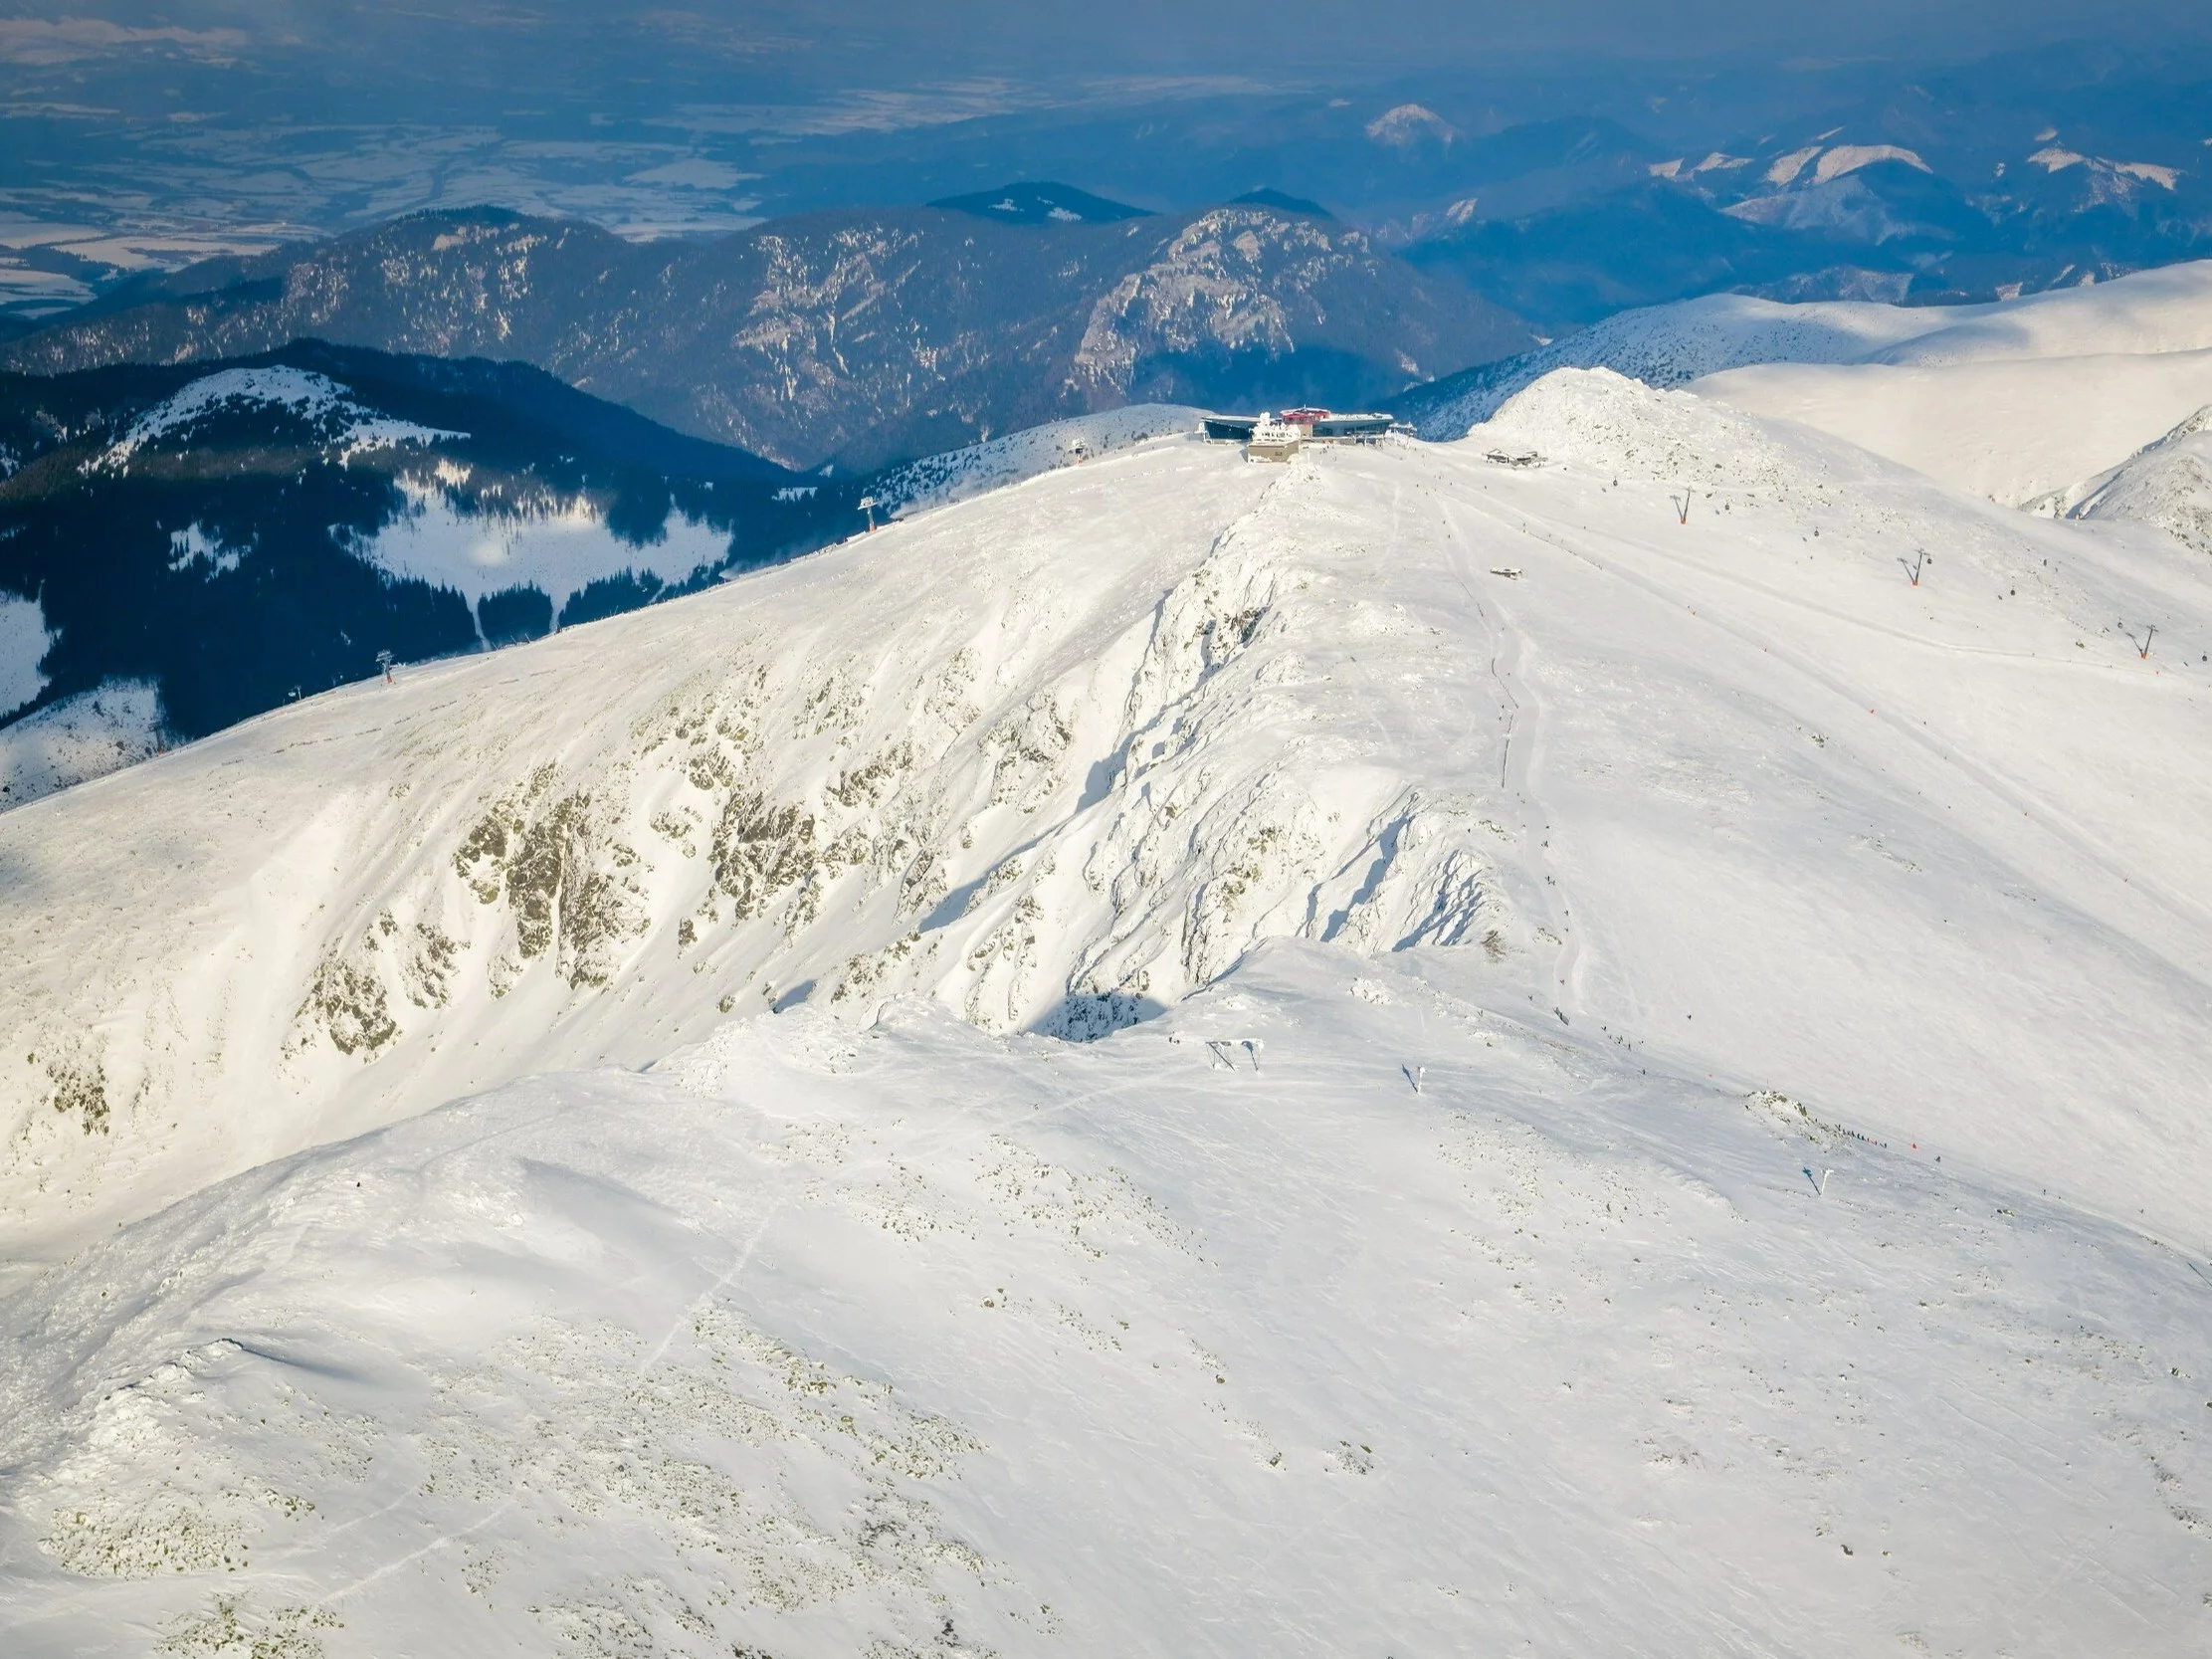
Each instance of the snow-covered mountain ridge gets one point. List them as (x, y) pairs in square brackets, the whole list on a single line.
[(1644, 1090), (1061, 755), (2150, 312), (2012, 401)]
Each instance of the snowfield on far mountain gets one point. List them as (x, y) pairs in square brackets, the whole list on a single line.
[(1674, 345), (2010, 401), (2007, 428), (1401, 1053), (556, 544), (313, 398)]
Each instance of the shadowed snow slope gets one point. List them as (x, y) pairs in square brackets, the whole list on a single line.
[(1523, 898)]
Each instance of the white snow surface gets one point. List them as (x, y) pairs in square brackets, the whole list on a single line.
[(115, 725), (1517, 1224), (2167, 484), (820, 1339), (994, 463), (24, 642), (2148, 312), (559, 548), (2016, 401), (1671, 345), (310, 396), (2009, 401), (1849, 159), (2009, 429)]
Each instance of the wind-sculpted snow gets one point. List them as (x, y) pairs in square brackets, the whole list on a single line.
[(1024, 762), (827, 1337)]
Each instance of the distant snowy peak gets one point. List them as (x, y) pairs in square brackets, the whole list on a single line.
[(315, 402), (2107, 180), (1811, 165)]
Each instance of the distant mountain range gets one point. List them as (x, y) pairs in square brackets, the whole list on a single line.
[(186, 545), (846, 339), (1844, 213)]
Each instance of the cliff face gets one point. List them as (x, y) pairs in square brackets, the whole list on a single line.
[(848, 338)]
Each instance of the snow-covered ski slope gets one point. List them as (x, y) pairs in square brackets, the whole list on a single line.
[(1664, 1112)]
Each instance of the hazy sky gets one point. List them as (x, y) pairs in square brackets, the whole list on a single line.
[(812, 42)]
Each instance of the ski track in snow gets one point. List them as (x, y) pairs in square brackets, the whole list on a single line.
[(1648, 1104)]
